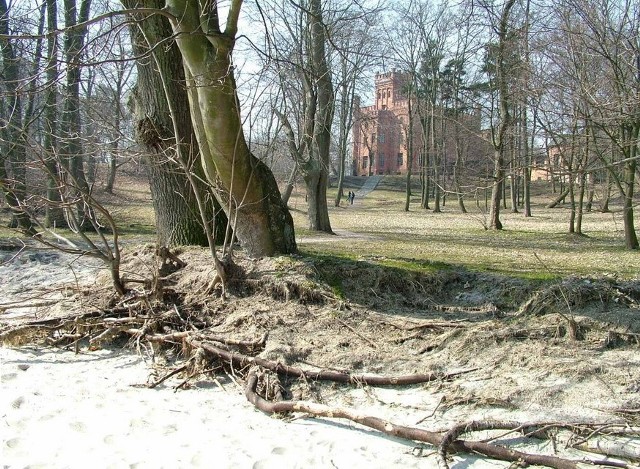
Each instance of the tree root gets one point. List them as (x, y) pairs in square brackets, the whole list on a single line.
[(238, 360), (444, 441)]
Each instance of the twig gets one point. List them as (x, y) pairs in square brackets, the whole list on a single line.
[(367, 340), (432, 413), (173, 372)]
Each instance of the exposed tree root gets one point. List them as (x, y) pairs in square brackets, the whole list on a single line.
[(237, 360), (445, 442)]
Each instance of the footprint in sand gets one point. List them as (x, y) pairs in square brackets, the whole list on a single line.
[(8, 377), (78, 426), (13, 443), (278, 450), (170, 429), (17, 403)]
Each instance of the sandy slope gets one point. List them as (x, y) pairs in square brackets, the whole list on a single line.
[(61, 410)]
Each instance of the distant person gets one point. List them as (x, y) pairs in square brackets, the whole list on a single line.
[(349, 197), (353, 196)]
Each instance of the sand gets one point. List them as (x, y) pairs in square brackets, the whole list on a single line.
[(91, 409), (63, 410)]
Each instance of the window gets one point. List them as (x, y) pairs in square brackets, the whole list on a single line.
[(373, 138), (365, 159), (381, 160), (381, 138), (400, 159)]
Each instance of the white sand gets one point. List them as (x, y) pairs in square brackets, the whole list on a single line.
[(65, 410)]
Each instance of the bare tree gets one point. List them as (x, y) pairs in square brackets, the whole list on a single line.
[(13, 156), (247, 187)]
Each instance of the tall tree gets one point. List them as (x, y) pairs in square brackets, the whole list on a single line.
[(297, 52), (13, 153), (155, 107), (499, 136), (246, 187), (54, 216)]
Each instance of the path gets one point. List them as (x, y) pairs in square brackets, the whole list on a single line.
[(369, 185)]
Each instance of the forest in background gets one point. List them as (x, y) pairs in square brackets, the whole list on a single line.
[(556, 84)]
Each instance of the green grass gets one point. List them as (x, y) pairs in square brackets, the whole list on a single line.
[(378, 229)]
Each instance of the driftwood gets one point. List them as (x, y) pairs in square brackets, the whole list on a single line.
[(444, 441)]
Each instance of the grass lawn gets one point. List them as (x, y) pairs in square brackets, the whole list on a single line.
[(377, 229)]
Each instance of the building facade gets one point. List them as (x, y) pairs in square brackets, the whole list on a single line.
[(381, 133)]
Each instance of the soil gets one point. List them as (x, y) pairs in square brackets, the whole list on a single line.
[(565, 350)]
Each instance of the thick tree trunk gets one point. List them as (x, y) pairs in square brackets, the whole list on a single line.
[(13, 152), (54, 215), (316, 182), (323, 120), (247, 189), (177, 219)]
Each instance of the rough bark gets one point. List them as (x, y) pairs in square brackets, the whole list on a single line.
[(317, 168), (54, 216), (174, 203), (247, 189)]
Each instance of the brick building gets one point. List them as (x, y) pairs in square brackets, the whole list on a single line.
[(381, 131)]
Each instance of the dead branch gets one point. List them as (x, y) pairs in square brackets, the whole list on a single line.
[(412, 326)]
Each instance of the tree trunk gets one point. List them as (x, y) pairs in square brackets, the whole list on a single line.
[(347, 95), (247, 190), (176, 214), (496, 191), (457, 166), (290, 183), (630, 166), (54, 215), (319, 213), (117, 124), (13, 185), (436, 161), (580, 204), (409, 154), (505, 119)]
